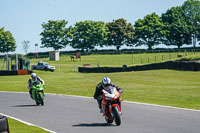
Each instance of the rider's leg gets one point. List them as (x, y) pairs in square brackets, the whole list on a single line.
[(99, 103), (30, 92)]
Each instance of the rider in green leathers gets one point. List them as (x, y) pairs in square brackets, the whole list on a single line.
[(34, 78)]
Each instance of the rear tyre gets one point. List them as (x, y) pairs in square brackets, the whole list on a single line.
[(3, 124), (117, 116), (37, 103), (41, 99), (108, 120)]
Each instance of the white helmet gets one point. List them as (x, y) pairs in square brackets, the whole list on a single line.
[(33, 76), (106, 81)]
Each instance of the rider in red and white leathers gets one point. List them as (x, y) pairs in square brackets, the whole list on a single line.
[(106, 81)]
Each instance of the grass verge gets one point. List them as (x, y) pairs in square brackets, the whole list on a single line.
[(18, 127)]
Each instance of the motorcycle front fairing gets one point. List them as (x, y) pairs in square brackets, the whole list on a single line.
[(113, 96), (37, 88)]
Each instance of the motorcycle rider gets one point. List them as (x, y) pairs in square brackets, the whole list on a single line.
[(34, 78), (106, 81)]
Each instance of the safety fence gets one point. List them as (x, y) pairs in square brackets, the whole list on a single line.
[(117, 58), (113, 52)]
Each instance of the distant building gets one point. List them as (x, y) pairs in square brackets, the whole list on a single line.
[(54, 55)]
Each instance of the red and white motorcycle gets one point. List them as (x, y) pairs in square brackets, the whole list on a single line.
[(111, 105)]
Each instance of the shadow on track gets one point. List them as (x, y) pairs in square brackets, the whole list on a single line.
[(33, 105), (92, 125)]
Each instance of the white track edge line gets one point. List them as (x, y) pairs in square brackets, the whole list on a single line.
[(163, 106), (148, 104), (27, 123)]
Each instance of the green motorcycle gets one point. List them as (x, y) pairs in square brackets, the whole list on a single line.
[(38, 93)]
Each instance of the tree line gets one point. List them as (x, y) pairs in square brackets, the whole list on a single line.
[(178, 26)]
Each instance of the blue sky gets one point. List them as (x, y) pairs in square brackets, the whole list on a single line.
[(23, 18)]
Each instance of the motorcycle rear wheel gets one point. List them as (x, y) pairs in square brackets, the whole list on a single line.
[(117, 116), (108, 120), (37, 103)]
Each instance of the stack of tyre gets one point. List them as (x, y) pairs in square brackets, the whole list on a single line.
[(4, 124)]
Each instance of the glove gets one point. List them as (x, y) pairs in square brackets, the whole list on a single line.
[(120, 91), (28, 86)]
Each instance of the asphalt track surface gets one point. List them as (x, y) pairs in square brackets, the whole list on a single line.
[(69, 114)]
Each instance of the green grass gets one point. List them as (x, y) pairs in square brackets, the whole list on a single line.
[(163, 87), (18, 127)]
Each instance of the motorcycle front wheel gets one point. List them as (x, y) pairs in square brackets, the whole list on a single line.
[(116, 115), (41, 99)]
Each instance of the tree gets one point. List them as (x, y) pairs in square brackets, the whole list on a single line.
[(55, 34), (120, 33), (198, 28), (25, 45), (7, 41), (191, 10), (88, 34), (177, 28), (149, 31)]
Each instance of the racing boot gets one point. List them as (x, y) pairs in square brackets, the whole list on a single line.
[(30, 93), (100, 108)]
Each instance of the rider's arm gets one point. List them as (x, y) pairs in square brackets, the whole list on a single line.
[(42, 81), (97, 91), (29, 84), (119, 89), (112, 84)]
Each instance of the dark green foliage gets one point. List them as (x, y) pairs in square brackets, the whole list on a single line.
[(198, 28), (55, 34), (7, 42), (149, 31), (120, 33), (191, 11), (177, 28), (88, 34)]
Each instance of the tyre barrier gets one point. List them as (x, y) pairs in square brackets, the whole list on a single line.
[(4, 128), (22, 72), (15, 72), (173, 65), (6, 73)]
